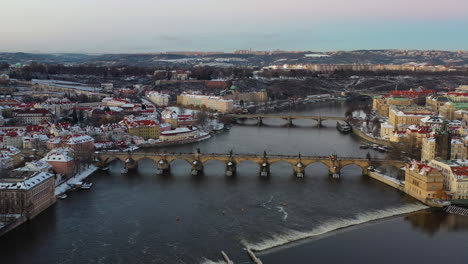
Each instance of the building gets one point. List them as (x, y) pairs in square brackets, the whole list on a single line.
[(15, 154), (158, 99), (180, 75), (423, 181), (206, 102), (144, 127), (436, 101), (6, 162), (77, 143), (61, 161), (28, 195), (401, 117), (457, 149), (109, 101), (455, 174), (175, 119), (448, 109), (57, 106), (32, 116), (107, 87), (381, 104), (428, 149), (236, 96)]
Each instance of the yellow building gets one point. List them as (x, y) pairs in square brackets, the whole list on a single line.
[(144, 128), (448, 109), (455, 177), (457, 149), (381, 104), (423, 182), (203, 101), (436, 101), (402, 117), (428, 149)]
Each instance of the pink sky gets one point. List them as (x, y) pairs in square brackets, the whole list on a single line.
[(70, 23)]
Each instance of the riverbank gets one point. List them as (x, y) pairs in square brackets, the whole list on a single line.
[(68, 184), (6, 227), (368, 138)]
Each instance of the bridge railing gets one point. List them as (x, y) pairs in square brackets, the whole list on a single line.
[(233, 155)]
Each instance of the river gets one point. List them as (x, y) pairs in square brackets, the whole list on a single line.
[(144, 218)]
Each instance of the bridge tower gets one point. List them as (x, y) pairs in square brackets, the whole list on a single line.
[(264, 166)]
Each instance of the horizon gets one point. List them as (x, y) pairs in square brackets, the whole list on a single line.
[(144, 26), (174, 52)]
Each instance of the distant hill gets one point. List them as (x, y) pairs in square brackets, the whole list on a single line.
[(227, 60)]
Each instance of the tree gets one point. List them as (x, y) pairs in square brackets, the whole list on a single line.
[(202, 117), (80, 116), (74, 116)]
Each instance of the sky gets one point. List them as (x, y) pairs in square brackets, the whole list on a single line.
[(140, 26)]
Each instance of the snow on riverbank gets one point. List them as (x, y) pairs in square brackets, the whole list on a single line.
[(74, 180), (389, 178)]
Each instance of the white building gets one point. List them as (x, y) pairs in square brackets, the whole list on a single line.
[(455, 177), (158, 98)]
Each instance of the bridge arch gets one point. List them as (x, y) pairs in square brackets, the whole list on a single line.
[(109, 160), (246, 166), (317, 168), (278, 166), (347, 167)]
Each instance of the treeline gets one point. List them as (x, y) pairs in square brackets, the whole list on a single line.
[(207, 73), (44, 70)]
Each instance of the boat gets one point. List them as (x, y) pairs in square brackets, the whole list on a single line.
[(62, 196), (343, 127), (86, 185), (105, 169), (124, 170), (382, 149), (177, 137), (364, 146)]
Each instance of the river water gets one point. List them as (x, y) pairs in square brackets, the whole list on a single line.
[(143, 218)]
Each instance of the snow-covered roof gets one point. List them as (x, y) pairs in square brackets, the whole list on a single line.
[(25, 183), (179, 130)]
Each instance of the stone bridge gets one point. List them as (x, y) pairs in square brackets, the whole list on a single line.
[(289, 117), (231, 160)]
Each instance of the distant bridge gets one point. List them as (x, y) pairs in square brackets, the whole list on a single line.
[(288, 117), (197, 161)]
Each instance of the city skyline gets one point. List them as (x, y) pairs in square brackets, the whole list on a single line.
[(144, 26)]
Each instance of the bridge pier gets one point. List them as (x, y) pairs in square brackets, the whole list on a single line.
[(231, 168), (319, 122), (290, 121), (299, 170), (163, 167), (197, 167), (130, 164), (334, 172), (260, 120), (264, 169)]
